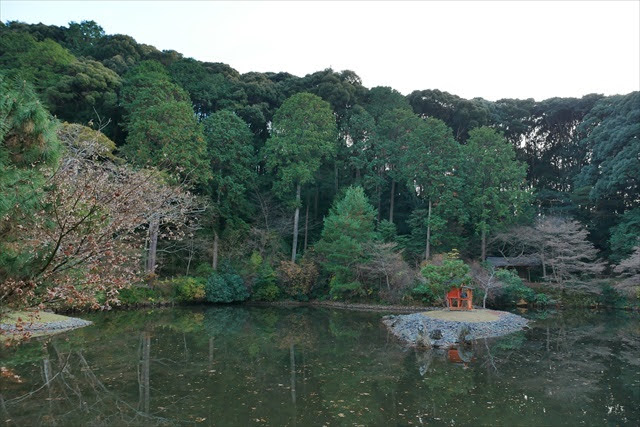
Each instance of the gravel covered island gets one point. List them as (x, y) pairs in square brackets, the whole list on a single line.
[(443, 328)]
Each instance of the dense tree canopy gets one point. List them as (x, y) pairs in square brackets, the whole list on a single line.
[(384, 180)]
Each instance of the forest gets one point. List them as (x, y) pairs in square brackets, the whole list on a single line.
[(131, 175)]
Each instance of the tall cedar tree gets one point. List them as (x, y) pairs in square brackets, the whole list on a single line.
[(430, 163), (493, 183), (230, 150), (303, 134)]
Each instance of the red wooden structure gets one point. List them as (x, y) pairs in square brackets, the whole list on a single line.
[(460, 298)]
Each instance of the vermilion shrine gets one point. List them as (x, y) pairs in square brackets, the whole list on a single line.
[(460, 298)]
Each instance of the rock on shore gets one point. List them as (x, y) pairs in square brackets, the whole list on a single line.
[(427, 330)]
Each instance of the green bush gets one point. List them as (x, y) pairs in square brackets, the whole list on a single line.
[(609, 297), (136, 295), (542, 299), (204, 270), (514, 290), (452, 272), (424, 293), (188, 289), (339, 290), (265, 287), (225, 286)]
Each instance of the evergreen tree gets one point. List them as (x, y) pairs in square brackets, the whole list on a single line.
[(348, 228), (430, 163), (493, 183), (303, 135), (162, 128), (28, 143), (230, 151)]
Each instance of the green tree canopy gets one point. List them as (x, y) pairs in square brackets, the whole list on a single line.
[(161, 125), (430, 163), (493, 182), (347, 229), (303, 134)]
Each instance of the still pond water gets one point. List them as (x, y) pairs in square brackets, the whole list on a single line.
[(243, 366)]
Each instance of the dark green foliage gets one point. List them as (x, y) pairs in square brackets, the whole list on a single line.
[(303, 135), (514, 290), (162, 129), (225, 286), (387, 231), (74, 89), (441, 277), (349, 226), (493, 180), (266, 287), (459, 114), (230, 150), (139, 295), (625, 236), (28, 143)]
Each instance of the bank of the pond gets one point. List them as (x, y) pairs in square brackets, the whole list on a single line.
[(343, 305)]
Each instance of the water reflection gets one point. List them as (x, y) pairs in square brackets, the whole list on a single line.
[(302, 366)]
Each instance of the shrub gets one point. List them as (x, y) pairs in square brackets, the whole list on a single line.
[(451, 272), (204, 270), (542, 299), (609, 296), (424, 293), (386, 267), (297, 280), (188, 289), (225, 286), (339, 290), (514, 290), (136, 295), (265, 287)]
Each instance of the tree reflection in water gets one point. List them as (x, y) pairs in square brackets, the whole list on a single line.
[(285, 366)]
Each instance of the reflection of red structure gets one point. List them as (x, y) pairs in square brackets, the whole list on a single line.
[(460, 298), (459, 356)]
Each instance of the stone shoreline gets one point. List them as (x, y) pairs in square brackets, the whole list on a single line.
[(418, 330), (61, 325)]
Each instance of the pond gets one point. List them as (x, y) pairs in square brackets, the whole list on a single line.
[(239, 366)]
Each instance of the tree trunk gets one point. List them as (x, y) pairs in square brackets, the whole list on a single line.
[(144, 380), (306, 224), (153, 245), (315, 204), (292, 360), (335, 173), (483, 253), (427, 252), (544, 264), (296, 218), (392, 198), (484, 298), (214, 261)]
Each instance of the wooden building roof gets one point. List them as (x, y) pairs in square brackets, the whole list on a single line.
[(519, 261)]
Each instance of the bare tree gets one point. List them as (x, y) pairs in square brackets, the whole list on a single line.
[(561, 244), (387, 267), (485, 279), (629, 272)]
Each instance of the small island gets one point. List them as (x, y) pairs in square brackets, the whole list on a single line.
[(445, 328)]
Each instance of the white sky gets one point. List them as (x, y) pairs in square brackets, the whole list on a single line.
[(489, 49)]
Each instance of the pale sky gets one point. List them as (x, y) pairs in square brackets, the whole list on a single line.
[(472, 49)]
